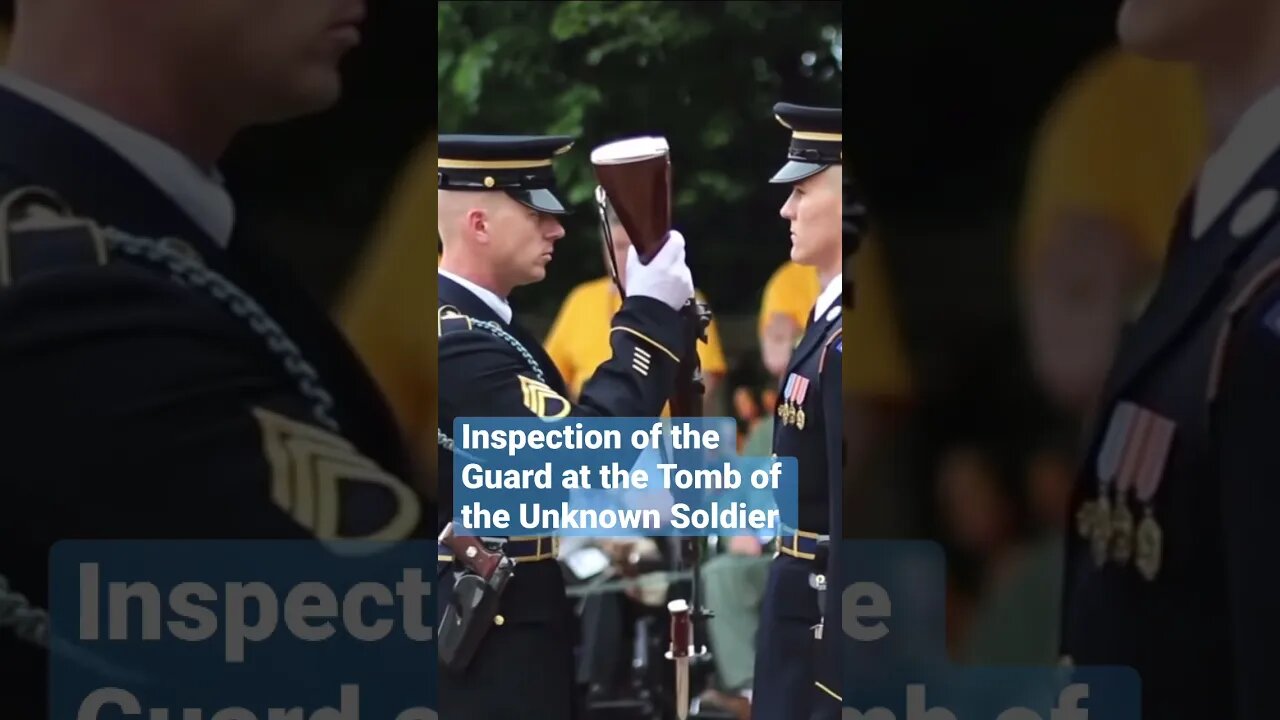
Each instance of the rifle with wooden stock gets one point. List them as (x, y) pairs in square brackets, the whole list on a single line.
[(635, 187)]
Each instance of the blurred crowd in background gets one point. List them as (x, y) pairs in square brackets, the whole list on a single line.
[(988, 469), (981, 460), (964, 413)]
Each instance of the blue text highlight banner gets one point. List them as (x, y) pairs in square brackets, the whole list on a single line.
[(615, 477), (276, 628), (895, 661)]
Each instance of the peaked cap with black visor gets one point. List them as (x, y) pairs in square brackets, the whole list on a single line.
[(817, 143), (519, 165), (817, 140)]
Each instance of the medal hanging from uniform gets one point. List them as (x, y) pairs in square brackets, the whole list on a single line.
[(791, 408), (1149, 551), (1132, 458)]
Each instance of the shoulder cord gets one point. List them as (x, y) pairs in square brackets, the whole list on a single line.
[(444, 440), (32, 623), (188, 272)]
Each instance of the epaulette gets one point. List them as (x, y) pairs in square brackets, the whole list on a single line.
[(39, 233), (449, 320), (836, 339)]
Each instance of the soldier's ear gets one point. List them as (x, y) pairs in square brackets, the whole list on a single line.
[(479, 223)]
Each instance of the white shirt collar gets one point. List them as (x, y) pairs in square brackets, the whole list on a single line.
[(490, 298), (829, 295), (1255, 137), (200, 194)]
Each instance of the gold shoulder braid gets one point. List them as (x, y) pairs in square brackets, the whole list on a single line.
[(175, 256), (44, 207), (442, 439), (186, 271)]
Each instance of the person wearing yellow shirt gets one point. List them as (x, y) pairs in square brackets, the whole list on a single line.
[(788, 298), (578, 341), (382, 307), (879, 370), (790, 287), (877, 378), (1112, 160)]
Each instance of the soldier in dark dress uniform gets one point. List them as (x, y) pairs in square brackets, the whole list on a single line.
[(155, 368), (498, 208), (1169, 568), (797, 673)]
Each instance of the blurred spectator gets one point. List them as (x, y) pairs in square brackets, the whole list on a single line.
[(784, 311), (980, 525), (877, 368), (880, 393), (1111, 162), (4, 40), (736, 579), (1113, 159), (1015, 620), (385, 309), (979, 513), (578, 341), (788, 300), (1050, 477), (878, 385)]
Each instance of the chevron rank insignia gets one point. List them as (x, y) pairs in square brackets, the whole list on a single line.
[(541, 400), (317, 476)]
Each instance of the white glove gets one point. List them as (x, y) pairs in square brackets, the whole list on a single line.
[(666, 278)]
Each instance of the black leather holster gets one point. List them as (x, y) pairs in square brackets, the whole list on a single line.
[(473, 608)]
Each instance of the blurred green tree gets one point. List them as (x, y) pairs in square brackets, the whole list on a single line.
[(703, 74)]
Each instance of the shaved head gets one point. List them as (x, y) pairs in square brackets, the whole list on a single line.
[(453, 208), (494, 241)]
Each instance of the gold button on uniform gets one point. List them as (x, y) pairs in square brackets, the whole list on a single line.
[(499, 620)]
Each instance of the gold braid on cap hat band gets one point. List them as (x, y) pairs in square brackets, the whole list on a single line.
[(822, 137), (499, 164), (491, 164), (802, 135)]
